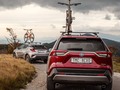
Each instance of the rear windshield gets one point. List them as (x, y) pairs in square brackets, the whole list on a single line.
[(81, 44), (39, 47)]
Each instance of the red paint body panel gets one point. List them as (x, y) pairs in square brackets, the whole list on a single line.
[(65, 61), (62, 58)]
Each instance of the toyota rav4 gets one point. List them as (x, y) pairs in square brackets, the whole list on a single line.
[(80, 59)]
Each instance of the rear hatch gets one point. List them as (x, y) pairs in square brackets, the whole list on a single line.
[(82, 53), (40, 49)]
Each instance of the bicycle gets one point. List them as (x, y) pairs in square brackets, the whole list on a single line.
[(29, 36)]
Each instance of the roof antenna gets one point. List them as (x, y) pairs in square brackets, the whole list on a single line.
[(69, 17)]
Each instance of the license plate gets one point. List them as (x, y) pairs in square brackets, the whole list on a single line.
[(41, 51), (81, 60)]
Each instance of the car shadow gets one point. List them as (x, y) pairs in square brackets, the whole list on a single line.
[(77, 87), (38, 62), (116, 82)]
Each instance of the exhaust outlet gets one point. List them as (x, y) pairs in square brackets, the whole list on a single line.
[(103, 86)]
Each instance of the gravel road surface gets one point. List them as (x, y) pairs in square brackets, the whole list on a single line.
[(39, 83)]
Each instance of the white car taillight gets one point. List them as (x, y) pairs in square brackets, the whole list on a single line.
[(33, 50)]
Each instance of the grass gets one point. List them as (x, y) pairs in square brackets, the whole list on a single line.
[(116, 64), (14, 73)]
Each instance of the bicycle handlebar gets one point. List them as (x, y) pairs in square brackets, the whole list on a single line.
[(28, 29)]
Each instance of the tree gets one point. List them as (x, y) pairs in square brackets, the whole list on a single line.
[(13, 41)]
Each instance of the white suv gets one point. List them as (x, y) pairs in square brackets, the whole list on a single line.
[(31, 52)]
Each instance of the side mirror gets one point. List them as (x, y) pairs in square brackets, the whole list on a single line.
[(50, 49), (18, 48)]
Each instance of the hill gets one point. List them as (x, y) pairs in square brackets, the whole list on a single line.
[(115, 44), (49, 45)]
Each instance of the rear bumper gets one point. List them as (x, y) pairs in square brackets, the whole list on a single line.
[(81, 79), (38, 57), (82, 76)]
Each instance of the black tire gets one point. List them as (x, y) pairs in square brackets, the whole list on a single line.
[(14, 55), (27, 58), (45, 61), (50, 84), (108, 87)]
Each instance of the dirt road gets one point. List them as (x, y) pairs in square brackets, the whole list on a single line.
[(39, 83)]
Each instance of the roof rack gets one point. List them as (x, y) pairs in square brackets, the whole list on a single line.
[(33, 43), (81, 33)]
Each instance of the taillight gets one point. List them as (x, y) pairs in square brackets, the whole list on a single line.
[(104, 54), (58, 53), (33, 50), (106, 58)]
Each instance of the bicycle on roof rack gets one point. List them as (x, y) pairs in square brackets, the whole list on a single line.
[(69, 17), (29, 36)]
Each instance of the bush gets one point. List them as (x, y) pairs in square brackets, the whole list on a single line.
[(10, 49), (14, 73), (116, 59), (116, 67)]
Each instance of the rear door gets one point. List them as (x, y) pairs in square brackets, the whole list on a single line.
[(82, 52), (81, 44), (41, 49), (21, 50)]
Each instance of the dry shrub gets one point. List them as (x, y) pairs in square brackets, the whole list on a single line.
[(14, 73), (116, 59), (116, 67)]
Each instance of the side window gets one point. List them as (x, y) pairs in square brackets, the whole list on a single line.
[(39, 47), (25, 46), (20, 47), (81, 44)]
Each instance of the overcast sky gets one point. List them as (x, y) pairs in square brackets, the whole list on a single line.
[(46, 18)]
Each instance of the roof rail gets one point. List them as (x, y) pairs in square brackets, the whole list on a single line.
[(80, 33), (34, 43)]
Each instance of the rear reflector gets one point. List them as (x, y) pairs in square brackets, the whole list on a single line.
[(100, 74), (61, 73)]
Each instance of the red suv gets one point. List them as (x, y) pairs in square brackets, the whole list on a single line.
[(80, 59)]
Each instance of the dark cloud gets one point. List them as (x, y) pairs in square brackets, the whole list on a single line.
[(87, 5), (13, 3), (116, 11)]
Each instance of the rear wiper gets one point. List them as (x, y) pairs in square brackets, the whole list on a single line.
[(76, 49)]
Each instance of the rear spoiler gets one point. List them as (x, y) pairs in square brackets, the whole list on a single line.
[(81, 33)]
